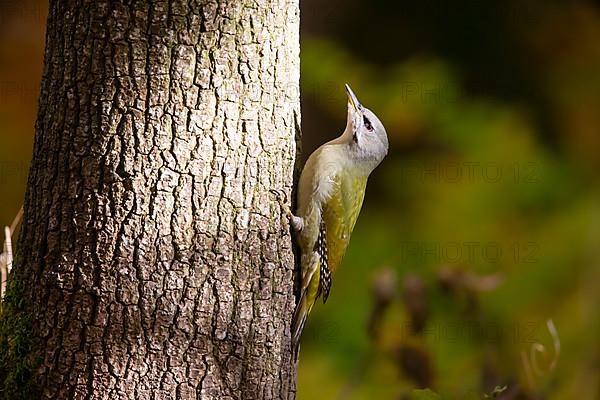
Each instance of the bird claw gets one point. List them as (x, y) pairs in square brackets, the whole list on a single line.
[(280, 195), (297, 223)]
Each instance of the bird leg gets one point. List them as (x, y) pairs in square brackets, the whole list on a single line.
[(296, 222)]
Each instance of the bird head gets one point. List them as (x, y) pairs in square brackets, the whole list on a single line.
[(365, 131)]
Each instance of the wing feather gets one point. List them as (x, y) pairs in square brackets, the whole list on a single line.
[(339, 214), (325, 272)]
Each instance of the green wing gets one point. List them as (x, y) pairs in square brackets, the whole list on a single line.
[(339, 214)]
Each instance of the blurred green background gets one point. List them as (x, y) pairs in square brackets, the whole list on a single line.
[(475, 263)]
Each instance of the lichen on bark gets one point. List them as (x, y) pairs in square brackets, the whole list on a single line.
[(16, 364)]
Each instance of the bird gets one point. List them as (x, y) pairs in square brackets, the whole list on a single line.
[(330, 195)]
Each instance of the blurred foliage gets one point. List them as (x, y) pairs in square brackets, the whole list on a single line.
[(22, 30), (494, 147), (492, 113)]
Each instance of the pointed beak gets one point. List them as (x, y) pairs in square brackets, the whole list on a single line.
[(352, 100)]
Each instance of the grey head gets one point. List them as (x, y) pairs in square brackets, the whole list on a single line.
[(365, 134)]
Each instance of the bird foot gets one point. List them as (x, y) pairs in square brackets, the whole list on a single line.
[(296, 222)]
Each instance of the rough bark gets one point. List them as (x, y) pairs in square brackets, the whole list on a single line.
[(153, 261)]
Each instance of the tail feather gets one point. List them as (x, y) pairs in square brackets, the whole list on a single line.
[(299, 320), (305, 304)]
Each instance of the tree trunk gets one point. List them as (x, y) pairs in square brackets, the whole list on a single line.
[(153, 261)]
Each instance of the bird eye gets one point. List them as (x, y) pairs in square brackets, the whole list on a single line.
[(367, 123)]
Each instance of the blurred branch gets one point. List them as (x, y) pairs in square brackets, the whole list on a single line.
[(16, 220), (415, 363), (6, 258), (414, 296), (454, 279), (383, 290)]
